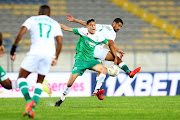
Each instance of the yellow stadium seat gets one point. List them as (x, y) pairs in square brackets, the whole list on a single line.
[(7, 7), (143, 3), (170, 3), (17, 12)]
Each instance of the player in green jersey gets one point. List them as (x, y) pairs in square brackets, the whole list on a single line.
[(108, 32), (84, 57)]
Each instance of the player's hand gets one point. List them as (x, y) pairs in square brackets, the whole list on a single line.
[(70, 18), (121, 53), (54, 62), (13, 57), (115, 60), (2, 51)]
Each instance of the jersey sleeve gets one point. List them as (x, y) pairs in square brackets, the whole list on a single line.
[(27, 23), (111, 36), (105, 41), (75, 31), (58, 30)]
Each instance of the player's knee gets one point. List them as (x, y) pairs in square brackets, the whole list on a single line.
[(119, 60), (69, 85), (104, 70)]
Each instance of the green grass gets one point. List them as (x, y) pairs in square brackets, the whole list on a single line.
[(90, 108)]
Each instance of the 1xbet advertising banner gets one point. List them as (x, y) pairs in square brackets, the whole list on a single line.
[(143, 84)]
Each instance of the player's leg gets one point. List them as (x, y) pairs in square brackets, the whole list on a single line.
[(28, 65), (96, 66), (37, 93), (67, 88), (5, 81), (23, 85), (77, 70), (122, 65), (42, 69)]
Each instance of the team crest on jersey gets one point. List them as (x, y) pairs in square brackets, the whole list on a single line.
[(90, 43)]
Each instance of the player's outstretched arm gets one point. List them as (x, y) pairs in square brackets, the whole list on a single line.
[(18, 38), (119, 51), (2, 50), (111, 46), (72, 19), (58, 49), (66, 28)]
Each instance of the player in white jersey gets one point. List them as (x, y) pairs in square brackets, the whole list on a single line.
[(12, 84), (109, 32), (42, 54)]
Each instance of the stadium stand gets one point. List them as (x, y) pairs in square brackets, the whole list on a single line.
[(137, 34)]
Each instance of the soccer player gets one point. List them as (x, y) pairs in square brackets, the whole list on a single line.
[(4, 79), (43, 53), (109, 32), (84, 58)]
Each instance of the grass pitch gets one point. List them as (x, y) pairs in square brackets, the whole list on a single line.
[(90, 108)]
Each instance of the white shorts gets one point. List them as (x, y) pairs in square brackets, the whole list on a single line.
[(100, 52), (40, 62)]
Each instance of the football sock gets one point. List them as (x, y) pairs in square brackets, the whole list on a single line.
[(65, 92), (99, 82), (37, 92), (124, 67), (24, 89), (14, 84)]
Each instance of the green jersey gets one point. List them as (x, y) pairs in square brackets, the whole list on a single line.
[(86, 44)]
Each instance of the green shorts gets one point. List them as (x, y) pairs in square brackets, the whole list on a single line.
[(2, 74), (80, 66)]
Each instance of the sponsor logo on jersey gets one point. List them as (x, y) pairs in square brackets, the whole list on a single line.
[(90, 43)]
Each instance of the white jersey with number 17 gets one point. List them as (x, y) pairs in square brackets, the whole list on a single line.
[(43, 30)]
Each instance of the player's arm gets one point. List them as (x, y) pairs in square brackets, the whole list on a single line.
[(16, 42), (110, 43), (2, 50), (72, 19), (119, 51), (58, 49), (66, 28)]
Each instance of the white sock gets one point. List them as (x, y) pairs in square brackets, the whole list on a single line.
[(121, 64), (100, 81), (65, 92), (14, 84)]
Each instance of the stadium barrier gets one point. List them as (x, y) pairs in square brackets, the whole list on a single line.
[(143, 84)]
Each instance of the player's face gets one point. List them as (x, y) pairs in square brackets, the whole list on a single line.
[(92, 27), (117, 26)]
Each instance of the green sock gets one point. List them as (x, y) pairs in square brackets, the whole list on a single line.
[(37, 92), (24, 89), (33, 109), (125, 68)]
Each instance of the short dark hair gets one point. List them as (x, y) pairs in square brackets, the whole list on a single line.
[(90, 20), (44, 10), (117, 20)]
